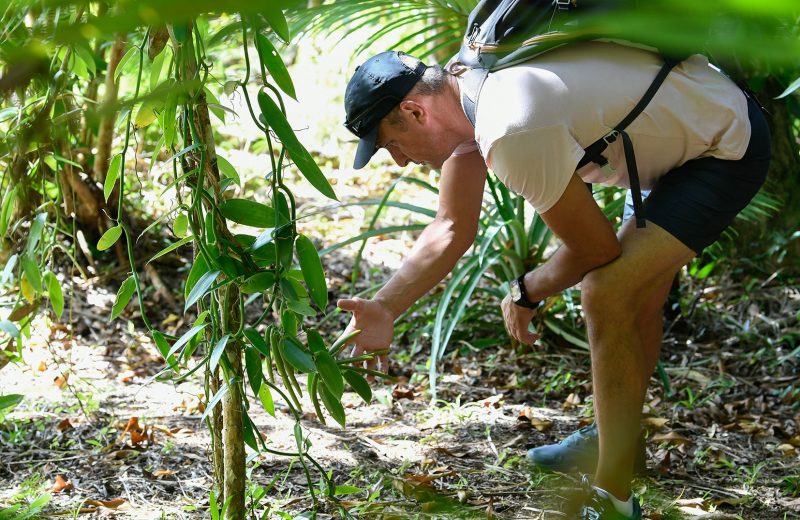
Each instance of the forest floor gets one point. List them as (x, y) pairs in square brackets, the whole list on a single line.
[(103, 438), (100, 436)]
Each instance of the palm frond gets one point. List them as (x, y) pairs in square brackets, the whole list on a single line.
[(424, 28)]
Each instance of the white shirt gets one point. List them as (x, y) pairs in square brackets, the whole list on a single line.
[(534, 120)]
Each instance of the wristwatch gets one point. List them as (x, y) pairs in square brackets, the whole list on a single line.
[(520, 297)]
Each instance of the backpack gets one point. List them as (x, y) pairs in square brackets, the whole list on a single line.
[(504, 33)]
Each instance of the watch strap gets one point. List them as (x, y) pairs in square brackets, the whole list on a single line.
[(523, 300)]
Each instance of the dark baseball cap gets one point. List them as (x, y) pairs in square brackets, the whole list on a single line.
[(377, 86)]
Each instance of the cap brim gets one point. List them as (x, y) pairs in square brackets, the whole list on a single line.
[(366, 148)]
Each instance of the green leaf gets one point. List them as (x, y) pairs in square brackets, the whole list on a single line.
[(35, 232), (298, 437), (333, 405), (54, 293), (187, 336), (112, 175), (248, 212), (9, 328), (257, 340), (227, 169), (301, 307), (289, 321), (265, 396), (791, 88), (347, 490), (171, 248), (266, 237), (313, 273), (274, 16), (217, 351), (109, 238), (292, 289), (200, 289), (124, 61), (259, 282), (305, 163), (315, 341), (275, 66), (147, 112), (186, 150), (124, 296), (181, 225), (214, 400), (297, 356), (157, 65), (9, 401), (252, 361), (163, 348), (32, 273), (8, 207), (199, 268), (329, 372), (359, 384), (8, 113)]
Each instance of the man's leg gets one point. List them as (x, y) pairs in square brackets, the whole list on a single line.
[(618, 299)]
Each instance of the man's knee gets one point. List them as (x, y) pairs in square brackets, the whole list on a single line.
[(604, 298)]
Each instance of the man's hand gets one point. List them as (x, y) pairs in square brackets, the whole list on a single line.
[(517, 320), (376, 324)]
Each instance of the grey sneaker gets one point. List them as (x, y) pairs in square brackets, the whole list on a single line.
[(578, 453), (598, 507)]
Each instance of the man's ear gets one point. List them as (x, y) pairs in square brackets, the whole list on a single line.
[(414, 110)]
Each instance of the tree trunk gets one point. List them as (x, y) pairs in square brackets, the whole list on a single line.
[(234, 476), (105, 135), (216, 440)]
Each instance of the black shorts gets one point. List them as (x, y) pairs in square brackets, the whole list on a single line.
[(698, 200)]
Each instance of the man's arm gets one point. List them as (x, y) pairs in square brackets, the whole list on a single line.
[(588, 243), (433, 256)]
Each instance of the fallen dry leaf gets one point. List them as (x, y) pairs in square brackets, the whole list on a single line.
[(541, 425), (61, 381), (123, 454), (451, 453), (402, 392), (138, 437), (571, 401), (493, 401), (654, 423), (42, 366), (672, 437), (163, 473), (64, 425), (109, 504), (61, 484), (787, 450)]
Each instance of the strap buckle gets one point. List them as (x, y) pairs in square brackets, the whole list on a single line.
[(563, 5), (611, 136)]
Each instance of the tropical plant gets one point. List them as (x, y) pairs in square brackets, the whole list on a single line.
[(170, 95), (507, 243)]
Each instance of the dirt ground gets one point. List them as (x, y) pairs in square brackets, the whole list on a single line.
[(105, 438)]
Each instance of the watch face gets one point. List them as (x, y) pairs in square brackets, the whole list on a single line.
[(516, 294)]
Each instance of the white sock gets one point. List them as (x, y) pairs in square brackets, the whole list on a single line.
[(622, 506)]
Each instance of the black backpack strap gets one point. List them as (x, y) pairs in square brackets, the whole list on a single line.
[(471, 84), (592, 153)]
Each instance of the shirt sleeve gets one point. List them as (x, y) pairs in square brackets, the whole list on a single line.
[(538, 164)]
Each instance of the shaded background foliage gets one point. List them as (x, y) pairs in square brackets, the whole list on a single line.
[(91, 88)]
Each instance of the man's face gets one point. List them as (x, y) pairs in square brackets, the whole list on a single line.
[(414, 140)]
